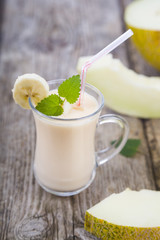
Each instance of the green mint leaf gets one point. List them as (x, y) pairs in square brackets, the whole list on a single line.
[(51, 105), (130, 148), (70, 89)]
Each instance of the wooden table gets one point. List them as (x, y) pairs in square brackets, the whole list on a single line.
[(48, 37)]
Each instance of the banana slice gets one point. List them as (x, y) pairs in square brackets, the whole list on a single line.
[(29, 85)]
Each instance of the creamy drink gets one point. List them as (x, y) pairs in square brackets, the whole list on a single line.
[(65, 159), (65, 155)]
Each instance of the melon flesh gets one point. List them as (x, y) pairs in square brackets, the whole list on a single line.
[(124, 90), (143, 18), (130, 208), (127, 215), (143, 14)]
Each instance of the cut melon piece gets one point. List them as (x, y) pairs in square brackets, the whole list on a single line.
[(143, 18), (124, 90), (127, 215)]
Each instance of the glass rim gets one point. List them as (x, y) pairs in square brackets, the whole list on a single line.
[(55, 118)]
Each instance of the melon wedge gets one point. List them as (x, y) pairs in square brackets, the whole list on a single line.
[(143, 17), (127, 215), (124, 90)]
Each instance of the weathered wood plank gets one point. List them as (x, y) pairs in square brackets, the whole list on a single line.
[(152, 129), (47, 37), (26, 210)]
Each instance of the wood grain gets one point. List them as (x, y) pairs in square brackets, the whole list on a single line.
[(47, 37)]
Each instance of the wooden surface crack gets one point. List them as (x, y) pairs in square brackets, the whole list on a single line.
[(153, 147)]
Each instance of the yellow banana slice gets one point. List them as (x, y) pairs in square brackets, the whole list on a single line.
[(29, 85)]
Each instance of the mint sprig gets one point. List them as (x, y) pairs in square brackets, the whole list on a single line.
[(130, 148), (51, 106), (69, 90)]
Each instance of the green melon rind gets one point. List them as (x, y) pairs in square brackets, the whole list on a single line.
[(108, 231), (148, 44)]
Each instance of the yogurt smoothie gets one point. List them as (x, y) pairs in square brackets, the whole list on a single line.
[(65, 154), (65, 159)]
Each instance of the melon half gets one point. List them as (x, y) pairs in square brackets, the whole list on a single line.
[(143, 18), (128, 215), (124, 90)]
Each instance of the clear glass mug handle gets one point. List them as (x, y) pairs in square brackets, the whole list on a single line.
[(106, 154)]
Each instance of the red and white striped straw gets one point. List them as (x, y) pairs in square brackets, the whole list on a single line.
[(100, 54)]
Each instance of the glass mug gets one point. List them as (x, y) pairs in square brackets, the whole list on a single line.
[(65, 158)]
